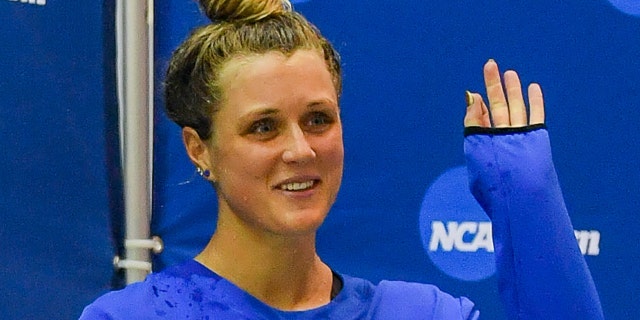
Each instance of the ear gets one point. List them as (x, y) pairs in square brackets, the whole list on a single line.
[(197, 149)]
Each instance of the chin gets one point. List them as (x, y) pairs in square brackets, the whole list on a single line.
[(301, 223)]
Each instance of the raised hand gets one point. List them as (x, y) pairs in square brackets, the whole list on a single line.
[(504, 111)]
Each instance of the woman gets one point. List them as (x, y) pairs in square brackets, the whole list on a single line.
[(256, 94)]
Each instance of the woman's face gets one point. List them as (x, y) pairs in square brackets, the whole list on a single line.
[(276, 152)]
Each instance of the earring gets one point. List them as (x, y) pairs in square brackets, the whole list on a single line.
[(203, 173)]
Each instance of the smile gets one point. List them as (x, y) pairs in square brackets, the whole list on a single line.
[(297, 186)]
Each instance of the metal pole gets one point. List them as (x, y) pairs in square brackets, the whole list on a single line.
[(134, 82)]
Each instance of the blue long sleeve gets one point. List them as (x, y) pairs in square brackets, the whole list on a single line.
[(541, 272)]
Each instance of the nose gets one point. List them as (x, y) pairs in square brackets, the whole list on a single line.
[(298, 149)]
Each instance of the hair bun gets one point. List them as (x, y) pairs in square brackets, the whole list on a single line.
[(243, 10)]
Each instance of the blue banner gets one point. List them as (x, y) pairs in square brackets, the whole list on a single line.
[(58, 150)]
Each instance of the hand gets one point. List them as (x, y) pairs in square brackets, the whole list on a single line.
[(504, 112)]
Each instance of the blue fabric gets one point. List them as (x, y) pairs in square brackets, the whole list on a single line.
[(192, 291), (541, 272)]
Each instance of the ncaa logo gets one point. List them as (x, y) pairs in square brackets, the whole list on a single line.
[(631, 7), (455, 231)]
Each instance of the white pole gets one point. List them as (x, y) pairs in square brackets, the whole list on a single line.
[(136, 115)]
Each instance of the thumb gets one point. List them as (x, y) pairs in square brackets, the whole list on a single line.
[(477, 114)]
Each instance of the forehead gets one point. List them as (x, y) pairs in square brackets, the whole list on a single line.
[(275, 79), (251, 66)]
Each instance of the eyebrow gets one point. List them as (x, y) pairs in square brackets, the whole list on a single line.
[(271, 111), (322, 102), (250, 116), (260, 112)]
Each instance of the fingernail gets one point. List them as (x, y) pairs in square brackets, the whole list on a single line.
[(491, 60), (469, 98)]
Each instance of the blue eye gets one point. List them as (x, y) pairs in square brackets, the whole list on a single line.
[(318, 122), (319, 119), (263, 126)]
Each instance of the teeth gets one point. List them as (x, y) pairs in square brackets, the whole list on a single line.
[(296, 186)]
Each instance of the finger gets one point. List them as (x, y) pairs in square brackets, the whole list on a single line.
[(536, 104), (477, 114), (517, 108), (486, 120), (495, 94)]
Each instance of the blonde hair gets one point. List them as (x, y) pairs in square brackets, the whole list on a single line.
[(238, 27), (243, 10)]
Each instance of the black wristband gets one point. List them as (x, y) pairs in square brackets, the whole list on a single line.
[(502, 131)]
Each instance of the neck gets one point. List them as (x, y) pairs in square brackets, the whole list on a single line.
[(284, 272)]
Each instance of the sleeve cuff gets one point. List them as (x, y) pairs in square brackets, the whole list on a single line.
[(468, 131)]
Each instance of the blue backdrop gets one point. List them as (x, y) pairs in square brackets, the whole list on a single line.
[(406, 66), (58, 156)]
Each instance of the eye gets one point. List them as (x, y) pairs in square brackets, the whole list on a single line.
[(264, 127), (318, 121)]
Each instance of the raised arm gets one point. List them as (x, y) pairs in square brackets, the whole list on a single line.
[(541, 272)]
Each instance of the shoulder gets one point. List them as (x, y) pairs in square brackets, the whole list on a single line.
[(399, 299), (158, 293), (129, 301), (404, 300)]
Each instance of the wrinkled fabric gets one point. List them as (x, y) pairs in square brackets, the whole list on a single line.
[(541, 272), (191, 291)]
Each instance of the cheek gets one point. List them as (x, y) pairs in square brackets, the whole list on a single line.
[(332, 152), (243, 178), (337, 155), (246, 163), (333, 162)]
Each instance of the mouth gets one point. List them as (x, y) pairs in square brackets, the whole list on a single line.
[(297, 186)]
